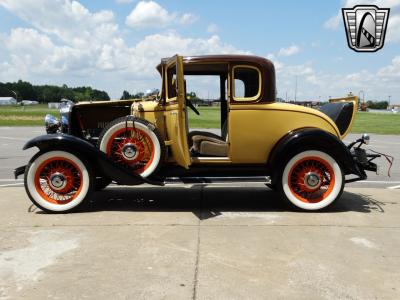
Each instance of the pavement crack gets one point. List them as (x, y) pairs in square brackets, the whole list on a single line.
[(196, 267), (194, 225)]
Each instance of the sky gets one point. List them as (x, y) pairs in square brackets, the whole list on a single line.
[(115, 45)]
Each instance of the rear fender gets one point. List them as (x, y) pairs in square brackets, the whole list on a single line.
[(82, 148), (315, 139), (342, 111)]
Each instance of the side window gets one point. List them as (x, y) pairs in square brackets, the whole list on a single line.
[(171, 82), (239, 88), (246, 83)]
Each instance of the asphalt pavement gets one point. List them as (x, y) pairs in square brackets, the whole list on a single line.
[(12, 140)]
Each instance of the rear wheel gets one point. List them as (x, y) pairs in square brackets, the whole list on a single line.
[(58, 181), (311, 180), (134, 144)]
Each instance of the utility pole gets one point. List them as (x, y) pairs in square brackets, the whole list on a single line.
[(389, 100), (295, 91), (363, 98), (286, 97)]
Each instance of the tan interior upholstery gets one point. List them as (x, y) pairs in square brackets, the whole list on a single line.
[(209, 146)]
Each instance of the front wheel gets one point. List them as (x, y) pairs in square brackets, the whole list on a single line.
[(311, 180), (58, 181)]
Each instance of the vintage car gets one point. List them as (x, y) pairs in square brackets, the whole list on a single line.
[(297, 151)]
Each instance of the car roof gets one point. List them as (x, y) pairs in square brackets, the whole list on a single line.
[(265, 65), (223, 58)]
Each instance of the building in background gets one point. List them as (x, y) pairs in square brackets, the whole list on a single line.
[(29, 102), (7, 101)]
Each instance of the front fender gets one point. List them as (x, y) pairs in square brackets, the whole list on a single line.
[(316, 139), (82, 148)]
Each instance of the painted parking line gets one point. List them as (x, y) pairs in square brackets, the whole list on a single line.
[(10, 180), (12, 138), (12, 184), (395, 187), (378, 181)]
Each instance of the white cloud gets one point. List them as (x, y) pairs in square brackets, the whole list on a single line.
[(89, 48), (212, 28), (289, 51), (69, 20), (150, 14), (333, 22), (69, 44), (187, 19), (393, 32), (377, 85), (392, 70)]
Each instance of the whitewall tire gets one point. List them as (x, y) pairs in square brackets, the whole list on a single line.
[(133, 144), (312, 180), (58, 181)]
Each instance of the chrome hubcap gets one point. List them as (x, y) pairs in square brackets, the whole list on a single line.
[(129, 152), (58, 181), (312, 180)]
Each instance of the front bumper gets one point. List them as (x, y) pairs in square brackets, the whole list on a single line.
[(19, 171)]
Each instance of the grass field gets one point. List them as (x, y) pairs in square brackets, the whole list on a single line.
[(24, 115), (380, 123)]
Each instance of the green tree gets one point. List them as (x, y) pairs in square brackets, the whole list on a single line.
[(377, 104), (125, 95), (50, 93)]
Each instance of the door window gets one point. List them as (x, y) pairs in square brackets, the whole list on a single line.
[(171, 83)]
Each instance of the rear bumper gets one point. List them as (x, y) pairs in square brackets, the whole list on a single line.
[(363, 162)]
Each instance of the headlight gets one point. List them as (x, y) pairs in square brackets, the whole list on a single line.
[(52, 124), (65, 112), (66, 106)]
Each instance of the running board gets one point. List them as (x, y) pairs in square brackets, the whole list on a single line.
[(217, 180)]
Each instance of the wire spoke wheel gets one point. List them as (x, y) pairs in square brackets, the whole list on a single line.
[(133, 143), (58, 181), (312, 180), (131, 147)]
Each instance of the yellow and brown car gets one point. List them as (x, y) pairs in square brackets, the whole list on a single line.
[(296, 150)]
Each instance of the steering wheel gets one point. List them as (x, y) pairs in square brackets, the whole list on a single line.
[(192, 107)]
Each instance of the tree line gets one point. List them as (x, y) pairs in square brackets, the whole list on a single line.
[(191, 96), (377, 104), (24, 90)]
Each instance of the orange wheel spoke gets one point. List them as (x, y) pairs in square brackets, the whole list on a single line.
[(132, 148), (311, 179), (62, 168)]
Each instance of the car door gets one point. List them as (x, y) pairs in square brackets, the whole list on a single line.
[(176, 115)]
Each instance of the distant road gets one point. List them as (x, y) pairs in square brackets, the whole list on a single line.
[(12, 140)]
